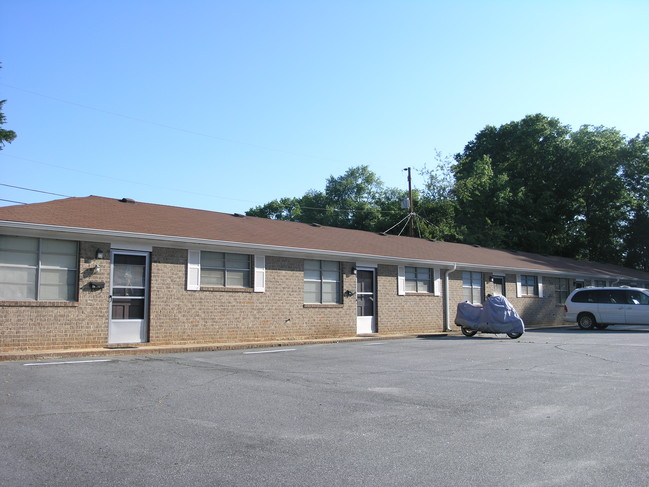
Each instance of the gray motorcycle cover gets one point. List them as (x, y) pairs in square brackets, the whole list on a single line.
[(496, 316)]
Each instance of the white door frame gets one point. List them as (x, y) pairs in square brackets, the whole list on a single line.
[(129, 330), (366, 323)]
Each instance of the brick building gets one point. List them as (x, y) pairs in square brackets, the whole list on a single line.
[(95, 272)]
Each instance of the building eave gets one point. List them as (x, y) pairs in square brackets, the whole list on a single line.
[(174, 241)]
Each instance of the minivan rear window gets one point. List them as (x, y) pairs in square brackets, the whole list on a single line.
[(637, 297)]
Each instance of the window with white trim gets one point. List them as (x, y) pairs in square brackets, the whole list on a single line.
[(322, 282), (529, 285), (38, 269), (220, 269), (418, 280), (472, 286)]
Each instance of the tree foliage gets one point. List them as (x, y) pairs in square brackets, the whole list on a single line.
[(534, 185), (5, 135), (357, 199), (636, 177), (436, 203)]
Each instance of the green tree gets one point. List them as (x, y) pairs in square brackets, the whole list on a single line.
[(353, 198), (508, 182), (536, 185), (5, 135), (636, 178), (437, 205), (532, 185), (357, 199), (599, 199)]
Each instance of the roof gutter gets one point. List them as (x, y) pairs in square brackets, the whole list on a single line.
[(184, 242), (447, 299)]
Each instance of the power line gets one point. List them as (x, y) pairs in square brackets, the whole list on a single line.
[(140, 183), (12, 201), (171, 127), (122, 180), (351, 210), (34, 190)]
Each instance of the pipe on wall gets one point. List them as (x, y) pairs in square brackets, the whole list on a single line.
[(447, 299)]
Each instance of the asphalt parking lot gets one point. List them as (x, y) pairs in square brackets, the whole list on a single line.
[(555, 407)]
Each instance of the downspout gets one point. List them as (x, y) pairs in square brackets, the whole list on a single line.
[(447, 299)]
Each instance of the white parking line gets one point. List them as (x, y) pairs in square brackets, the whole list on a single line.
[(75, 362), (272, 351)]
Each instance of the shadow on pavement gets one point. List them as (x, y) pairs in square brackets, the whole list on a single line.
[(554, 330), (579, 331)]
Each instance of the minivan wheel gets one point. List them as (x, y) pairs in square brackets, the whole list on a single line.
[(586, 321)]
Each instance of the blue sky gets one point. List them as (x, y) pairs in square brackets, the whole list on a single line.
[(226, 105)]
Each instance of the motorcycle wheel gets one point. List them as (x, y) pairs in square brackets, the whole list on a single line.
[(468, 332), (514, 336)]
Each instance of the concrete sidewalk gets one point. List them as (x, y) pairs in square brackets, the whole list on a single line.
[(150, 349)]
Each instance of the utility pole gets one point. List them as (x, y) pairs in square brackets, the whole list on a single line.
[(411, 229)]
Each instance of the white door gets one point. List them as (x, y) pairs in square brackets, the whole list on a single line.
[(129, 297), (499, 285), (365, 301)]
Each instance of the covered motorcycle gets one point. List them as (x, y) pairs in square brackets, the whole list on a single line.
[(497, 315)]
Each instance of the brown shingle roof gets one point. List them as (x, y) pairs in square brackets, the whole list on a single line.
[(145, 220)]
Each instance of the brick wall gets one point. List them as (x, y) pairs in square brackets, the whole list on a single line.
[(29, 325), (412, 313), (181, 316), (178, 316), (535, 311)]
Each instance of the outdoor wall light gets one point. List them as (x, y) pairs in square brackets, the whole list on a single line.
[(354, 270), (99, 254)]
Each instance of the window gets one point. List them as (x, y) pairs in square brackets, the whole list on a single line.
[(561, 290), (418, 280), (34, 269), (472, 285), (588, 297), (322, 282), (219, 269), (529, 286), (599, 283), (614, 296), (637, 297)]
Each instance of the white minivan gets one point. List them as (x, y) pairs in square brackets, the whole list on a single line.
[(602, 306)]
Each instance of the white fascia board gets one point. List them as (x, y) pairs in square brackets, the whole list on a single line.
[(541, 272), (91, 234)]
